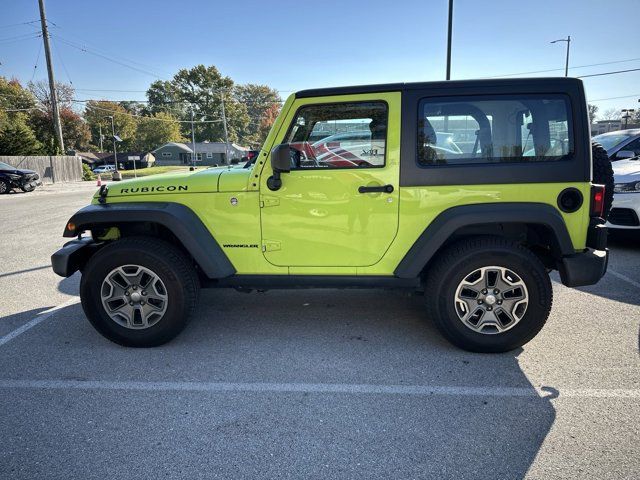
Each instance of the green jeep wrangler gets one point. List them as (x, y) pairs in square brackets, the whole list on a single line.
[(468, 191)]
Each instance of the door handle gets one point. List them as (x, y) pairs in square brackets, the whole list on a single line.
[(377, 188)]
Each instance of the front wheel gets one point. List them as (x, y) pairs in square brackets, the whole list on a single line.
[(139, 291), (4, 187), (488, 294), (28, 188)]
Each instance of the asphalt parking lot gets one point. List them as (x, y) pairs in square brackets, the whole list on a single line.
[(308, 383)]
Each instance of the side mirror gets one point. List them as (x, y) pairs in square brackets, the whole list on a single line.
[(280, 163), (622, 154)]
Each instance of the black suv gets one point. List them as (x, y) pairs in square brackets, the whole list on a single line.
[(12, 177)]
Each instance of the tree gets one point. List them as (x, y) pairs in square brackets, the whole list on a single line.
[(156, 131), (14, 96), (203, 89), (16, 138), (96, 113), (267, 122), (261, 103), (593, 110), (611, 114), (75, 131), (42, 94)]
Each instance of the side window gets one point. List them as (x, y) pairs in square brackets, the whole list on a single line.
[(494, 129), (339, 135), (633, 146)]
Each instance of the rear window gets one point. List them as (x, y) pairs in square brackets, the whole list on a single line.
[(494, 129)]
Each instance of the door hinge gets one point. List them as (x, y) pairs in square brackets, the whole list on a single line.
[(270, 246), (269, 201)]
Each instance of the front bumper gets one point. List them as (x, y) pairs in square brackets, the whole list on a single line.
[(627, 212), (72, 256)]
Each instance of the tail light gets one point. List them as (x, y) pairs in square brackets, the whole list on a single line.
[(597, 200)]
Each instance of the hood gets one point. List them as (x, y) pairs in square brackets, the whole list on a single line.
[(20, 171), (625, 171), (198, 181)]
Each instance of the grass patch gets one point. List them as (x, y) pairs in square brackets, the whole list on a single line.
[(145, 172)]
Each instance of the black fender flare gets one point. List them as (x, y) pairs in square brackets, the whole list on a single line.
[(455, 218), (177, 218)]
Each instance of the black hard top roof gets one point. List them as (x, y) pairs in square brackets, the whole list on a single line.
[(451, 84)]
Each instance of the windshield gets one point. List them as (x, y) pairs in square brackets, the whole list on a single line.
[(6, 166), (609, 141)]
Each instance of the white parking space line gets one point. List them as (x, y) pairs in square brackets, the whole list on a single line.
[(358, 389), (624, 278), (41, 317)]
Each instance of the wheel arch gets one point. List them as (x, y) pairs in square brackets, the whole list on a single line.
[(537, 224), (172, 221)]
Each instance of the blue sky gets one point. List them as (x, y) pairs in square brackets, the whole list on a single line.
[(292, 45)]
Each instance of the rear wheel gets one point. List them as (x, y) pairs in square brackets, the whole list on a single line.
[(139, 291), (488, 294), (603, 175)]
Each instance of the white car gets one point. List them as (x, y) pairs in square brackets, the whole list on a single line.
[(625, 211), (104, 169)]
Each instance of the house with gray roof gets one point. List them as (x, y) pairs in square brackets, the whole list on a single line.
[(207, 153)]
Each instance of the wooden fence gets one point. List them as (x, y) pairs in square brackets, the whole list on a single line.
[(51, 169)]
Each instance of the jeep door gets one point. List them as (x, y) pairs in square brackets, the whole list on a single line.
[(338, 206)]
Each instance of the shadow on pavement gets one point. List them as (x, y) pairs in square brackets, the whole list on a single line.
[(70, 285), (8, 323), (361, 337)]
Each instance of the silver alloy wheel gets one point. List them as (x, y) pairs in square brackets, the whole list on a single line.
[(491, 300), (4, 187), (134, 296)]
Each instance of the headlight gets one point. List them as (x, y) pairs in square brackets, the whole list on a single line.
[(14, 176), (626, 187)]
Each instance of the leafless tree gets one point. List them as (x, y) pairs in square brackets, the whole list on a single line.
[(611, 114)]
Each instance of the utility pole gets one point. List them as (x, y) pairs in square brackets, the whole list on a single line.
[(566, 63), (449, 36), (100, 130), (193, 141), (226, 134), (116, 174), (57, 126)]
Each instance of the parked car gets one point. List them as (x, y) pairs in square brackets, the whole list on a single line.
[(476, 232), (104, 169), (625, 212), (12, 178), (620, 144)]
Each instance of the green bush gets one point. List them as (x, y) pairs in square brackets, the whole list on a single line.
[(87, 174)]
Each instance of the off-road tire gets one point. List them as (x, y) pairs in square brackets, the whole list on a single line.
[(170, 264), (461, 259), (603, 174), (4, 187)]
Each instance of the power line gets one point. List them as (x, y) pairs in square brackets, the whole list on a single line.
[(59, 55), (19, 38), (562, 69), (105, 57), (609, 73), (19, 24), (614, 98), (35, 66), (95, 48)]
